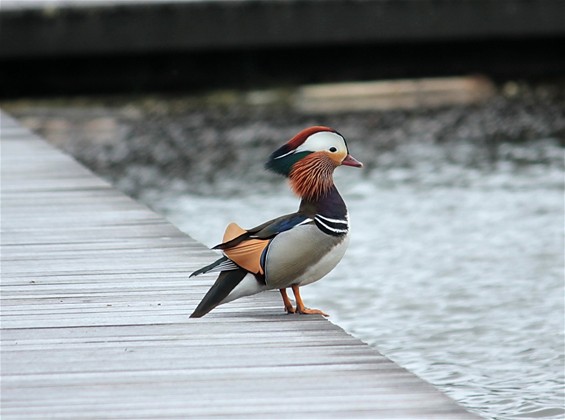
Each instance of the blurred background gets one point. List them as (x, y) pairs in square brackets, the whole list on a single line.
[(456, 107)]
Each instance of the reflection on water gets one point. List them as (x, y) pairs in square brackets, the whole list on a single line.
[(461, 285)]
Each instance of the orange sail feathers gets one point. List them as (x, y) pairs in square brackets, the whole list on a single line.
[(246, 254)]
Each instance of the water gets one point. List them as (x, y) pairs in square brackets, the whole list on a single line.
[(461, 285), (455, 267)]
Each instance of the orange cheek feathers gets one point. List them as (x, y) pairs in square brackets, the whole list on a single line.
[(311, 177)]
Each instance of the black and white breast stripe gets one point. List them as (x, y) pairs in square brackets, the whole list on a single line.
[(331, 226)]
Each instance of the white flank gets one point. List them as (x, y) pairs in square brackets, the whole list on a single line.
[(326, 264)]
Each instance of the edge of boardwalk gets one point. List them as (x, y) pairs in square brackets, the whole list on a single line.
[(95, 303)]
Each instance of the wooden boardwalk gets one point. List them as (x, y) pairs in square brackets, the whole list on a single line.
[(95, 304)]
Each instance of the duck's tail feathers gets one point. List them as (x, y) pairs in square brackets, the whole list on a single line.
[(222, 264), (225, 283)]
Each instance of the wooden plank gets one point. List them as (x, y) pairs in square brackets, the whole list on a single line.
[(95, 303)]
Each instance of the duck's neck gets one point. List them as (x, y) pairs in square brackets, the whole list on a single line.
[(330, 205), (328, 212), (312, 179)]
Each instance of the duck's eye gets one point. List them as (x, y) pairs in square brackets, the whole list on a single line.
[(333, 149)]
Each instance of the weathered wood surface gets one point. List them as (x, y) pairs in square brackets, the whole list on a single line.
[(95, 304)]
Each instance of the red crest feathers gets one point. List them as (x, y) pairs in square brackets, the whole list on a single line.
[(301, 137)]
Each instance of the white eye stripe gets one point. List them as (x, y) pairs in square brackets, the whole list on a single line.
[(322, 140)]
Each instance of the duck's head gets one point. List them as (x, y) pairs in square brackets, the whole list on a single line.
[(324, 143), (309, 159)]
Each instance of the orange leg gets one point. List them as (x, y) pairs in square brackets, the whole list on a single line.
[(287, 303), (300, 308)]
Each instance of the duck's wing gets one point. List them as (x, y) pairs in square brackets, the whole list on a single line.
[(246, 248), (267, 230)]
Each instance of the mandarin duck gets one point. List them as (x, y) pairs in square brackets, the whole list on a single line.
[(295, 249)]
